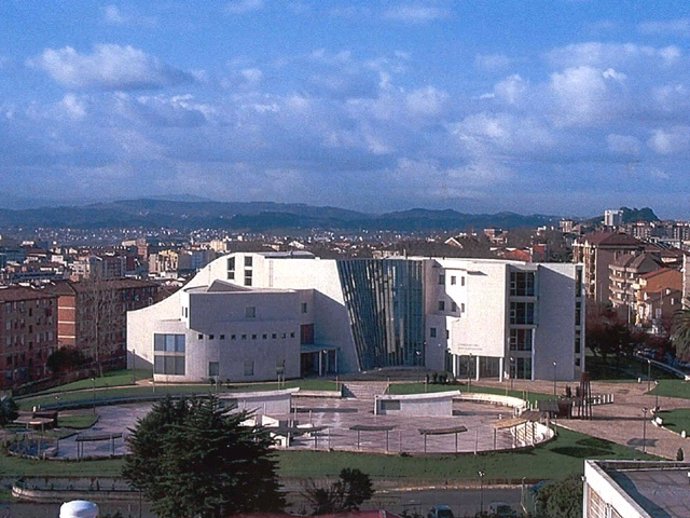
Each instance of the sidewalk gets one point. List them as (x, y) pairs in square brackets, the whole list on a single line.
[(622, 421)]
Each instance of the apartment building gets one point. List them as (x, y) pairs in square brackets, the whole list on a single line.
[(624, 276), (256, 316), (596, 251), (91, 315), (28, 334)]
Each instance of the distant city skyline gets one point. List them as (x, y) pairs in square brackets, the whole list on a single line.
[(566, 107)]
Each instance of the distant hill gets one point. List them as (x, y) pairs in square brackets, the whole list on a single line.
[(254, 216), (633, 215)]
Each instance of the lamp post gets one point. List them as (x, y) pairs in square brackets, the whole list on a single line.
[(656, 396), (134, 366), (469, 373), (481, 492), (649, 374), (512, 372), (554, 378), (93, 395), (644, 430)]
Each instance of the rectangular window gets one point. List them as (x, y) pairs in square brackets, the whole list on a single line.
[(213, 369), (521, 284), (244, 337), (453, 307), (247, 277), (211, 337), (233, 337), (452, 280), (264, 336), (253, 337), (522, 313), (250, 312), (231, 268), (441, 279), (200, 336), (222, 337), (447, 334), (304, 307), (432, 332), (170, 358), (462, 281), (249, 368), (462, 307), (248, 260), (441, 305), (521, 339)]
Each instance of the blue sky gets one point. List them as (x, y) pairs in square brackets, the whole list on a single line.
[(560, 106)]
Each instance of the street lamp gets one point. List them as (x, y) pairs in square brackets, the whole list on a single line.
[(644, 430), (481, 492), (93, 395), (649, 373), (469, 373), (554, 378), (512, 372)]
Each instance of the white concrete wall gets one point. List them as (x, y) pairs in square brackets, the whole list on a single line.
[(439, 404), (555, 335)]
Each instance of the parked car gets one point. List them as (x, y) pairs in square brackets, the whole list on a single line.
[(502, 510), (440, 511)]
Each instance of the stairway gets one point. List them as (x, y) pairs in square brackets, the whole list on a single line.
[(364, 390)]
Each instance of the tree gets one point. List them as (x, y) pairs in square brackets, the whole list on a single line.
[(346, 494), (561, 499), (65, 359), (8, 410), (192, 458), (680, 333)]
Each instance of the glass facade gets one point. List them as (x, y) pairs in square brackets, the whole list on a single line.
[(169, 354), (385, 305)]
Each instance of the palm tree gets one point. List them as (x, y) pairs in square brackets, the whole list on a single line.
[(680, 332)]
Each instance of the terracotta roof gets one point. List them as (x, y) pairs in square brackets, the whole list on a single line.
[(70, 287), (611, 239), (16, 293)]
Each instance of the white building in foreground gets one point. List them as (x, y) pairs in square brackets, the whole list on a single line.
[(258, 316)]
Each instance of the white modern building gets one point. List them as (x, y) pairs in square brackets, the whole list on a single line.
[(258, 316)]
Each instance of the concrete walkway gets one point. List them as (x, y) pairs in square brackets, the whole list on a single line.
[(622, 421)]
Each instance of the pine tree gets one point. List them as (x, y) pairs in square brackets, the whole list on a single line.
[(191, 458)]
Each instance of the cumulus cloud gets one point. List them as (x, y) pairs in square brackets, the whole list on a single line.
[(605, 55), (417, 13), (112, 15), (491, 62), (677, 27), (243, 6), (73, 107), (511, 89), (670, 141), (426, 101), (623, 144), (108, 67)]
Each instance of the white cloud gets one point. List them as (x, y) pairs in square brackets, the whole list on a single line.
[(73, 107), (670, 141), (112, 15), (659, 174), (243, 6), (623, 144), (109, 67), (426, 101), (415, 13), (677, 27), (606, 55), (581, 95), (511, 89), (491, 62)]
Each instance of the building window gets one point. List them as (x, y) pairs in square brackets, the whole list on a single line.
[(210, 337), (264, 336), (247, 277), (521, 339), (222, 337), (441, 305), (244, 337), (304, 307), (249, 368), (462, 281), (248, 261), (233, 337), (522, 313), (453, 307), (447, 334), (200, 336), (231, 268), (169, 354), (432, 332), (521, 284), (213, 369), (441, 279), (452, 280), (274, 335), (250, 312), (253, 337)]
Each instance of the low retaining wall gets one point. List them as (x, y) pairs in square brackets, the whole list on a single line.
[(494, 399), (433, 404), (58, 490), (269, 402)]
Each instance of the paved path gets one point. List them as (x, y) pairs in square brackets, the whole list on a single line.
[(622, 421)]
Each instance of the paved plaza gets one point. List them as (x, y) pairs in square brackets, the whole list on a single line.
[(334, 418)]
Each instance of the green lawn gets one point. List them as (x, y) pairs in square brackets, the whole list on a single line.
[(79, 419), (676, 420), (672, 388), (623, 369), (88, 395), (421, 388), (109, 379), (556, 459)]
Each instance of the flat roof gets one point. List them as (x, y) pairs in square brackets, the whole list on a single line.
[(662, 489)]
